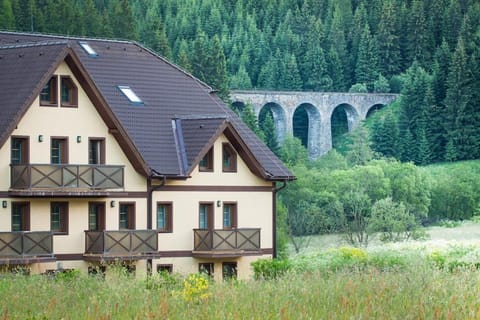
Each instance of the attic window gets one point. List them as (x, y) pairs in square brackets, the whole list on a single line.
[(130, 94), (229, 158), (48, 95), (206, 164), (88, 49), (68, 92)]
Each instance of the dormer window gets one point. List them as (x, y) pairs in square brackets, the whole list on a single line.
[(130, 94), (48, 95), (206, 164), (229, 162), (68, 92)]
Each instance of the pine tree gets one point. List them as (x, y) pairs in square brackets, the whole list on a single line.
[(216, 65), (24, 12), (290, 79), (417, 37), (365, 70), (248, 116), (241, 79), (7, 19), (92, 21), (387, 40), (269, 131), (423, 156), (456, 101), (121, 20)]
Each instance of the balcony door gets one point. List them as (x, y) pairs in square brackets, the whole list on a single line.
[(205, 218), (96, 216), (19, 150), (20, 216)]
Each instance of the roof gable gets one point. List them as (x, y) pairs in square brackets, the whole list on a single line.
[(167, 93), (24, 71)]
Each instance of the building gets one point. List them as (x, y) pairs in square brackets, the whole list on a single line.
[(108, 152)]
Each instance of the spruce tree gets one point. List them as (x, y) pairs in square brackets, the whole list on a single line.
[(270, 134), (7, 19), (456, 101), (387, 39), (365, 70)]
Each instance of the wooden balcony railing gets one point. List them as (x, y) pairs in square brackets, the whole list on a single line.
[(218, 240), (26, 244), (121, 243), (49, 176)]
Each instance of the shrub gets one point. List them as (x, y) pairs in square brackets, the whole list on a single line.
[(270, 268)]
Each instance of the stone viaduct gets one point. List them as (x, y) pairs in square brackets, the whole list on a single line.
[(319, 108)]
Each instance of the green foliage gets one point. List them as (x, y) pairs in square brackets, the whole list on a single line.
[(391, 220), (268, 269), (358, 88), (292, 152)]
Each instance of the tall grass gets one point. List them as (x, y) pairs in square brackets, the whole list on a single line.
[(415, 290)]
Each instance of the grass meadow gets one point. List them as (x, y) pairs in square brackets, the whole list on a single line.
[(433, 279)]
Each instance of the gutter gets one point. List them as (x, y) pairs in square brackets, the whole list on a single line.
[(150, 190), (274, 216)]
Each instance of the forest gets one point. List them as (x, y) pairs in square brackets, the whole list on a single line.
[(428, 50)]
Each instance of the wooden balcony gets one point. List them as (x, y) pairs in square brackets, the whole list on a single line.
[(24, 247), (120, 245), (66, 177), (226, 243)]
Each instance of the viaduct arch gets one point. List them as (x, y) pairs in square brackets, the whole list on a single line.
[(293, 112)]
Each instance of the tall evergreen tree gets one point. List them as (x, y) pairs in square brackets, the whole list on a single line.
[(269, 132), (456, 102), (7, 19), (121, 20), (365, 70), (387, 40)]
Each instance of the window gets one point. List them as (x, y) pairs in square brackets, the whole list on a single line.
[(48, 95), (206, 164), (96, 151), (96, 216), (130, 94), (19, 150), (205, 218), (59, 217), (20, 216), (88, 49), (229, 215), (59, 151), (164, 217), (229, 270), (206, 268), (68, 92), (164, 268), (126, 216), (229, 163)]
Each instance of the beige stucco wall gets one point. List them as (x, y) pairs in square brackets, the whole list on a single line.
[(83, 121), (243, 176), (187, 265)]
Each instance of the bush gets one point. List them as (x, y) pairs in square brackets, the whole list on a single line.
[(270, 268)]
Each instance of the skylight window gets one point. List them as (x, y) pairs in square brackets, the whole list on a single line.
[(130, 94), (88, 49)]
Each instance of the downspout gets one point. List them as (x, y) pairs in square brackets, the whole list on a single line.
[(274, 217), (150, 190)]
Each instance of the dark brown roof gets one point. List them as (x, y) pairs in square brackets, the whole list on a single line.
[(167, 93), (24, 70)]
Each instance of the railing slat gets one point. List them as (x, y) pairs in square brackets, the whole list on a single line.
[(45, 176), (121, 242), (18, 244), (220, 239)]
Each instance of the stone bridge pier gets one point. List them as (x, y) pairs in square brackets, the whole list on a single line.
[(318, 107)]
